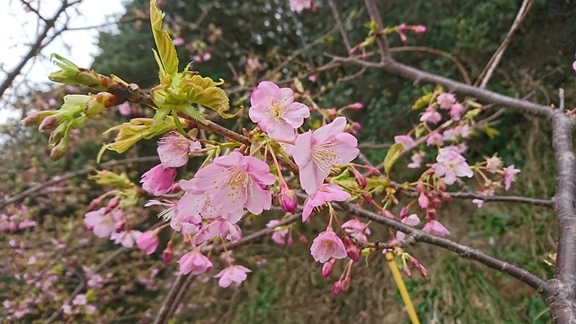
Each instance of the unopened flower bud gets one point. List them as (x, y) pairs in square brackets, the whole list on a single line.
[(402, 27), (404, 211), (328, 267), (96, 202), (337, 288), (168, 252), (407, 271), (419, 29), (360, 178), (290, 241), (48, 124), (357, 127), (113, 203), (59, 151), (357, 105), (423, 272), (366, 196), (303, 239), (119, 226), (288, 200)]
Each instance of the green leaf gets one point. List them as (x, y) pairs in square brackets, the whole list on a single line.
[(166, 49), (422, 102), (391, 156), (491, 132), (204, 91)]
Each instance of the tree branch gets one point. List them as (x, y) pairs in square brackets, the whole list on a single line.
[(71, 175), (169, 305), (463, 251)]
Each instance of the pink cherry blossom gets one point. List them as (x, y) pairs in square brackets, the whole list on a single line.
[(456, 111), (280, 234), (327, 245), (357, 229), (446, 100), (411, 220), (232, 274), (435, 139), (431, 116), (194, 262), (102, 223), (126, 238), (326, 193), (478, 202), (275, 111), (416, 160), (405, 140), (178, 41), (219, 227), (174, 149), (235, 181), (434, 227), (158, 180), (148, 241), (299, 5), (317, 152), (509, 175), (451, 165)]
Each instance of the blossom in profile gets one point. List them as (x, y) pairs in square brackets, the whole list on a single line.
[(300, 5), (446, 100), (509, 175), (324, 194), (126, 238), (280, 234), (434, 227), (411, 220), (451, 165), (316, 152), (357, 229), (431, 116), (174, 149), (194, 262), (148, 241), (219, 227), (417, 159), (456, 111), (275, 111), (158, 180), (233, 273), (405, 140), (327, 245)]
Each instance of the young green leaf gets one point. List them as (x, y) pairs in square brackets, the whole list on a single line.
[(391, 157)]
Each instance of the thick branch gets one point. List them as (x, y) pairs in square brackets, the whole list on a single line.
[(463, 251), (563, 303)]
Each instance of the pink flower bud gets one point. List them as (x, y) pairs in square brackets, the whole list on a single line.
[(337, 288), (404, 211), (303, 239), (328, 267), (96, 202), (367, 197), (357, 127), (402, 27), (113, 203), (357, 105), (407, 271), (168, 253), (419, 29), (290, 241), (423, 272), (360, 178), (423, 201), (48, 124), (288, 200), (352, 250)]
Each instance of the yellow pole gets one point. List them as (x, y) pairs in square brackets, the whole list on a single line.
[(402, 288)]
